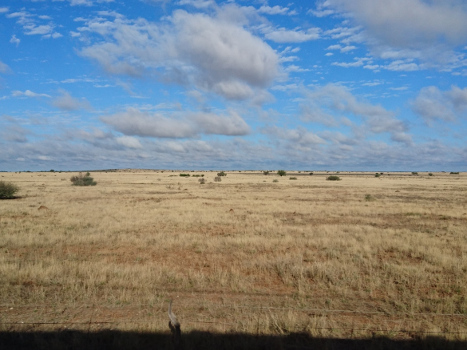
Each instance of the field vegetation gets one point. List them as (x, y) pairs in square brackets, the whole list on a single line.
[(354, 258)]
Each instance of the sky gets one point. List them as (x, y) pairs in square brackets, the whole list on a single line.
[(362, 85)]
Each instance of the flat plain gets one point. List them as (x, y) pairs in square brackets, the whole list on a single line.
[(254, 253)]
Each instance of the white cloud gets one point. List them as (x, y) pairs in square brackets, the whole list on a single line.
[(4, 9), (323, 104), (426, 30), (28, 93), (134, 122), (433, 104), (4, 68), (15, 40), (191, 49), (275, 10), (68, 103), (129, 141), (283, 35)]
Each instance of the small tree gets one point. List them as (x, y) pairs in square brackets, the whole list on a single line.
[(83, 180), (7, 190), (281, 172)]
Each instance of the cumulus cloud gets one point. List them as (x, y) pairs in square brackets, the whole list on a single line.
[(274, 10), (134, 122), (68, 103), (433, 104), (427, 30), (324, 104), (190, 49), (231, 124), (283, 35)]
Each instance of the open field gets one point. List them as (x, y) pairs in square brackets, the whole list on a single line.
[(356, 258)]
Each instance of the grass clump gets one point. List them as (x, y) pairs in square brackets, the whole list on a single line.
[(8, 190), (333, 178), (83, 180)]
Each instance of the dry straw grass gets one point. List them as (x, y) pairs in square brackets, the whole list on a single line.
[(351, 258)]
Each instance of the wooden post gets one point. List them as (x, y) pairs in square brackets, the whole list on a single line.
[(174, 326)]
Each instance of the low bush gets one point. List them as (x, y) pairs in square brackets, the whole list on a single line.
[(185, 175), (7, 190), (83, 180), (292, 178), (281, 172), (333, 178), (221, 174), (217, 179), (202, 181)]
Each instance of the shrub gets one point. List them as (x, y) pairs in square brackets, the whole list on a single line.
[(454, 173), (221, 174), (275, 180), (311, 173), (414, 173), (7, 190), (292, 178), (430, 174), (83, 180), (369, 197), (202, 181), (281, 172), (217, 179), (377, 175), (333, 178), (185, 175), (266, 172)]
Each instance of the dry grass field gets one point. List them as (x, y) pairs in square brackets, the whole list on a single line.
[(355, 258)]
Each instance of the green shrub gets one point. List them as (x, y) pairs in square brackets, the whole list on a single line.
[(430, 174), (202, 181), (369, 197), (217, 179), (185, 175), (292, 178), (281, 172), (83, 180), (275, 180), (221, 174), (333, 178), (266, 172), (414, 173), (7, 190), (454, 173), (377, 175)]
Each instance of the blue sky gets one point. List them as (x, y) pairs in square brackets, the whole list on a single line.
[(203, 84)]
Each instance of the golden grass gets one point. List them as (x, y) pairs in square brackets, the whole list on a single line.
[(353, 258)]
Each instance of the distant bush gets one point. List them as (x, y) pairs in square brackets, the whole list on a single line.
[(202, 181), (311, 173), (333, 178), (185, 175), (377, 175), (281, 172), (266, 172), (83, 180), (7, 190), (275, 180), (369, 198), (221, 174), (430, 174), (454, 173), (292, 178), (217, 179), (414, 173)]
